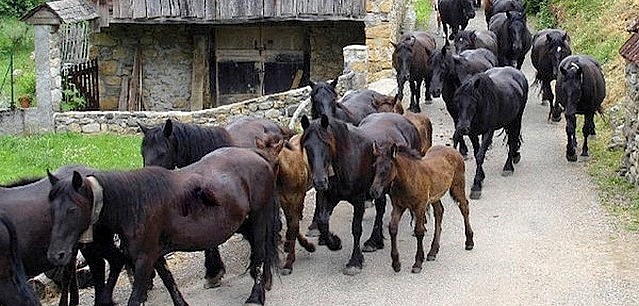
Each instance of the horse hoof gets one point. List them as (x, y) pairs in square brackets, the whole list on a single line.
[(416, 270), (571, 158), (215, 281), (286, 271), (313, 232), (369, 247), (352, 271), (368, 204), (555, 119), (430, 257), (517, 158), (469, 247), (397, 267), (475, 194), (310, 248), (507, 173), (544, 102), (335, 244)]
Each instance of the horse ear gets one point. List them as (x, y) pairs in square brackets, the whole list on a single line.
[(312, 84), (375, 148), (76, 182), (566, 37), (324, 121), (305, 122), (393, 150), (509, 15), (168, 128), (334, 82), (52, 178), (259, 143), (562, 69), (477, 83), (394, 45), (548, 38), (143, 128)]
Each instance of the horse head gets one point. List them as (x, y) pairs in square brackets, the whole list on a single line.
[(571, 85), (466, 98), (72, 204), (402, 60), (559, 48), (385, 171), (442, 65), (318, 142), (158, 147), (516, 30), (386, 103), (323, 99), (465, 40)]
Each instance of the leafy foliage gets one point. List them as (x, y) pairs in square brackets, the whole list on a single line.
[(17, 8), (423, 9)]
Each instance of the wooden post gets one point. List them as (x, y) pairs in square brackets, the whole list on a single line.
[(200, 93)]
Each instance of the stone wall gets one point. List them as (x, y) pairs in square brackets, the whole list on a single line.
[(385, 21), (278, 108), (166, 56), (327, 41), (630, 127)]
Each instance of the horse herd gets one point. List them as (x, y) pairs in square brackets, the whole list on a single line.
[(200, 185)]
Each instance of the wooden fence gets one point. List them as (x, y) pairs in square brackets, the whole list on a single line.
[(84, 77)]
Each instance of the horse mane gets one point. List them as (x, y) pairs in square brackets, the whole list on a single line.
[(128, 192), (321, 86), (192, 141), (408, 152), (21, 182), (484, 91)]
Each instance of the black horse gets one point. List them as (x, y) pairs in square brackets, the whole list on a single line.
[(178, 144), (156, 211), (467, 40), (353, 107), (580, 89), (340, 159), (492, 7), (487, 102), (410, 60), (27, 205), (14, 289), (455, 14), (513, 37), (549, 48), (450, 71)]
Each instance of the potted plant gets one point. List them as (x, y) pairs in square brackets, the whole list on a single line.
[(25, 101)]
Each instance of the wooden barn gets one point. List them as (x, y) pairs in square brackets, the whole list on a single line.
[(197, 54)]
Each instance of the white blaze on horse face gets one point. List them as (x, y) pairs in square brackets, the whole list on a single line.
[(559, 49)]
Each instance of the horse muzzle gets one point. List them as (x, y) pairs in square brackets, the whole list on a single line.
[(376, 192), (59, 258), (321, 184), (436, 93), (463, 130)]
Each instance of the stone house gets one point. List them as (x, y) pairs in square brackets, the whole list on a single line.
[(189, 55), (630, 129)]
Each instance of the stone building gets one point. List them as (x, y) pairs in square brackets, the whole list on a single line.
[(192, 55), (630, 129)]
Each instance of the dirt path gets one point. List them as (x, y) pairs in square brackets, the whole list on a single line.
[(541, 237)]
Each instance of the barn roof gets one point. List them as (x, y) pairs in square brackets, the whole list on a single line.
[(64, 11), (231, 11), (630, 49)]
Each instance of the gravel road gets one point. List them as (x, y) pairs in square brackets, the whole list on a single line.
[(541, 237)]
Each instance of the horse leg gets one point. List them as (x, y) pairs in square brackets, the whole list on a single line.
[(396, 216), (427, 79), (420, 229), (68, 276), (571, 122), (215, 268), (418, 94), (438, 211), (475, 191), (587, 130), (257, 240), (292, 230), (520, 61), (298, 215), (354, 265), (141, 277), (458, 193), (312, 230), (97, 267), (169, 282), (414, 92), (474, 140), (376, 241), (512, 131), (325, 207)]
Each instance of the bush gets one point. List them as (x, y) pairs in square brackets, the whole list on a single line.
[(17, 8)]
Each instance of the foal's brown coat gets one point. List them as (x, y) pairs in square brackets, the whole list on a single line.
[(293, 180), (415, 183)]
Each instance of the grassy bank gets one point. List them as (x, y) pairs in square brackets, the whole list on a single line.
[(33, 155), (597, 27)]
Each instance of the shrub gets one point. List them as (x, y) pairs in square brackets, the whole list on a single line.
[(17, 8)]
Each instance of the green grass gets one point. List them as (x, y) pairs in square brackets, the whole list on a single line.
[(422, 14), (620, 197), (16, 37), (31, 156)]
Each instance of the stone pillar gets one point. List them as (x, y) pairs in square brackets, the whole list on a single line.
[(356, 61), (48, 79)]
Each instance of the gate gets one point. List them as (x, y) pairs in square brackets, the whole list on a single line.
[(84, 77)]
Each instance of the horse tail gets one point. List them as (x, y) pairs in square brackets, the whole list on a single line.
[(273, 228), (19, 279)]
